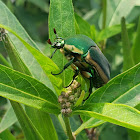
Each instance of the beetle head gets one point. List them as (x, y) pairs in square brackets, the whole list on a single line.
[(58, 42)]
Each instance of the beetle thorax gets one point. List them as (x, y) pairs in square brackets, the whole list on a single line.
[(66, 53)]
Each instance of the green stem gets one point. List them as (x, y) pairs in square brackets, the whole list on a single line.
[(104, 15), (60, 118), (68, 128), (104, 22)]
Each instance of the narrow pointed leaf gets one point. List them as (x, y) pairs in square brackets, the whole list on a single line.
[(24, 89), (122, 89), (111, 31), (31, 133), (46, 63), (8, 119), (127, 56), (34, 68), (36, 116), (116, 9), (21, 115), (61, 17), (136, 46), (114, 113), (15, 59), (84, 26), (11, 22)]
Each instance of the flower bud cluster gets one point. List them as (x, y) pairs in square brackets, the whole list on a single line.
[(69, 98)]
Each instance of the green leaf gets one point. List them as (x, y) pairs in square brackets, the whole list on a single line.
[(8, 119), (136, 47), (43, 123), (59, 126), (31, 133), (110, 31), (123, 89), (20, 66), (83, 26), (6, 135), (119, 114), (24, 89), (46, 63), (11, 22), (3, 61), (80, 99), (61, 17), (15, 59), (25, 59), (116, 9), (127, 56), (37, 116)]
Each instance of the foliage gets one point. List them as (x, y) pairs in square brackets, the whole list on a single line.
[(32, 91)]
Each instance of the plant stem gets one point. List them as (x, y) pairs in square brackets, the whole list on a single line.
[(104, 22), (104, 15), (60, 118), (68, 128)]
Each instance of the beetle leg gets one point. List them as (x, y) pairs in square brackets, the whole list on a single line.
[(66, 65), (53, 53), (74, 76), (90, 87)]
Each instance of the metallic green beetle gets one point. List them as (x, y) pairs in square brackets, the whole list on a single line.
[(85, 57)]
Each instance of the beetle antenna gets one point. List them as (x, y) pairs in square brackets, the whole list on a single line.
[(49, 41), (55, 32), (53, 53), (74, 76)]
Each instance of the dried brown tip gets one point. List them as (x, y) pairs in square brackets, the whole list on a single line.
[(49, 41), (54, 30)]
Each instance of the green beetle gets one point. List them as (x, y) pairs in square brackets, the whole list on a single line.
[(84, 57)]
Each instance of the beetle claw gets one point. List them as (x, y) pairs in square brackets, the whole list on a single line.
[(69, 84), (56, 73), (87, 97)]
